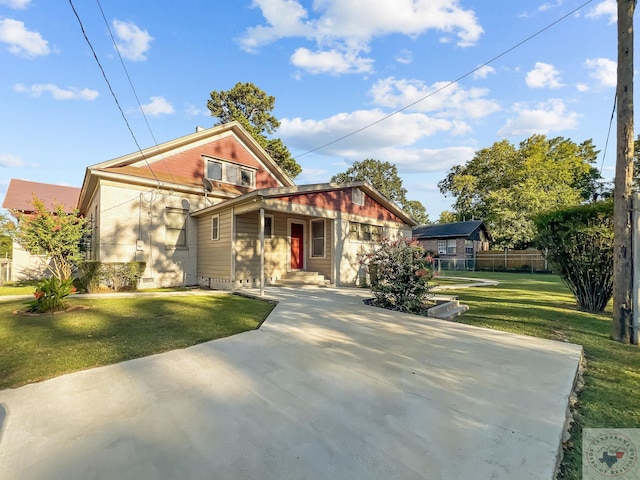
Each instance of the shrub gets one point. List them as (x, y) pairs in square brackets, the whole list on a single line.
[(400, 271), (579, 245), (117, 276), (51, 294)]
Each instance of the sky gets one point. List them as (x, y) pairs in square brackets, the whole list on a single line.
[(422, 84)]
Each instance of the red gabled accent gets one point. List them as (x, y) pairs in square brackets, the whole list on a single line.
[(340, 200)]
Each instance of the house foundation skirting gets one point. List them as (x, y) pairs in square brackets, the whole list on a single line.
[(226, 284)]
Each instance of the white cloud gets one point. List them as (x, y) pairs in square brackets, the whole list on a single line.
[(544, 118), (347, 28), (16, 4), (582, 87), (133, 42), (549, 6), (157, 106), (405, 57), (426, 160), (332, 62), (543, 75), (193, 111), (603, 70), (70, 93), (607, 8), (8, 160), (442, 98), (483, 72), (22, 41)]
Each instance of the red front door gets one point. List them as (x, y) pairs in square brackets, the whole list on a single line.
[(297, 246)]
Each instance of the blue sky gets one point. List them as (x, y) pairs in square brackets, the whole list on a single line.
[(334, 66)]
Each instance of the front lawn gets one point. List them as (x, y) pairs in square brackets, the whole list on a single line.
[(17, 288), (115, 329), (542, 306)]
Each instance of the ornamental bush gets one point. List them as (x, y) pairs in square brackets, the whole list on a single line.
[(400, 271), (579, 245), (51, 294)]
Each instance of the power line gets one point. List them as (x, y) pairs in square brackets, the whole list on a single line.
[(135, 94), (606, 144), (453, 82), (115, 98)]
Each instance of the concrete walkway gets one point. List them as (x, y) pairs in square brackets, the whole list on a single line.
[(327, 389)]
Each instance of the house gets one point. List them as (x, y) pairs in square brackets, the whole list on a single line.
[(212, 208), (19, 199), (454, 243)]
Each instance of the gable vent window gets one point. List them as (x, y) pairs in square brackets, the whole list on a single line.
[(357, 196), (230, 173)]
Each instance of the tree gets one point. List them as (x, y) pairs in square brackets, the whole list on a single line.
[(55, 234), (251, 107), (508, 186), (384, 177), (7, 228), (447, 216), (579, 245)]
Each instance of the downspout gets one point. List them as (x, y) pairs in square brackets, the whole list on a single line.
[(261, 252)]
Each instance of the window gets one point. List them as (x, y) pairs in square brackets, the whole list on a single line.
[(214, 170), (365, 232), (451, 247), (230, 173), (442, 247), (268, 226), (215, 227), (176, 227), (317, 238), (468, 247), (357, 196)]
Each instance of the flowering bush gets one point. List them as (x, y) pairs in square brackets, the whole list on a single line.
[(400, 273), (50, 295)]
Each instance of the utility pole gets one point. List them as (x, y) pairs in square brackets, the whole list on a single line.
[(622, 193)]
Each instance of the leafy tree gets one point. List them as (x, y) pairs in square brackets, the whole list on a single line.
[(508, 186), (55, 234), (447, 216), (251, 107), (579, 245), (384, 177), (6, 230)]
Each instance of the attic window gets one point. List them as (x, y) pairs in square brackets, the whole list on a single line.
[(357, 196), (230, 173)]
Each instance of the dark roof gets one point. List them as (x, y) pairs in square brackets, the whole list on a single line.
[(20, 196), (450, 230)]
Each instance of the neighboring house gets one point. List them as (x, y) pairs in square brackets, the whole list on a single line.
[(19, 199), (212, 208), (454, 241)]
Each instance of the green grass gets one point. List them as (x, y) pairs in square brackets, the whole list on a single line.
[(113, 330), (542, 306), (14, 288)]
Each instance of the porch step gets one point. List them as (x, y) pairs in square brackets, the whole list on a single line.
[(447, 310), (303, 278)]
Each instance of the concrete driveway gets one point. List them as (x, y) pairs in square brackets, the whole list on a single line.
[(327, 389)]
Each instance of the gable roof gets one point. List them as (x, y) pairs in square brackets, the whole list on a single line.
[(450, 230), (274, 193), (21, 192), (162, 165)]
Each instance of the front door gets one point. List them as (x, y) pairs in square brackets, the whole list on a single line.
[(297, 246)]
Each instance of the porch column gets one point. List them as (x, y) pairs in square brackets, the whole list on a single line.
[(261, 251), (233, 249)]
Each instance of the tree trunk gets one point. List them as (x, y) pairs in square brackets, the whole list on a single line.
[(622, 261)]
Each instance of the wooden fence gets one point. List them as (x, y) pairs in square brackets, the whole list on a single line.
[(530, 260)]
